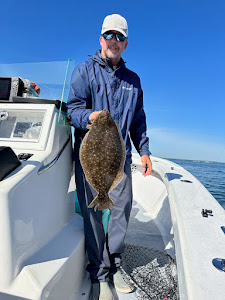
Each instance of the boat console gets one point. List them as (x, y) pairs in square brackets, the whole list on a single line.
[(41, 236)]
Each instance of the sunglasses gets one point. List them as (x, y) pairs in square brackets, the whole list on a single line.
[(109, 35)]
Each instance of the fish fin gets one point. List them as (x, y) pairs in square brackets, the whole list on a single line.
[(92, 204), (120, 173), (101, 202), (82, 147), (117, 179), (123, 145)]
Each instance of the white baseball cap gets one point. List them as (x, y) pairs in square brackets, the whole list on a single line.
[(115, 22)]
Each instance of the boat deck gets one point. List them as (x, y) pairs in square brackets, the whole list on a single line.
[(142, 231)]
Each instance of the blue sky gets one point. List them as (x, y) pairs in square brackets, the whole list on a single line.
[(177, 47)]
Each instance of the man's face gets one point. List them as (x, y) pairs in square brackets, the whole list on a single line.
[(112, 49)]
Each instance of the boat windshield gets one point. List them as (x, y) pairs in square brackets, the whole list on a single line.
[(53, 78)]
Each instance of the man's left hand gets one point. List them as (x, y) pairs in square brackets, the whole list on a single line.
[(146, 165)]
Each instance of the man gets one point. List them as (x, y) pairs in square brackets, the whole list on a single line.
[(103, 81)]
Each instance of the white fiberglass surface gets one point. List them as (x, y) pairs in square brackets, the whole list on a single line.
[(21, 125)]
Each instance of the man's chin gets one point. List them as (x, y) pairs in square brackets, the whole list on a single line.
[(112, 55)]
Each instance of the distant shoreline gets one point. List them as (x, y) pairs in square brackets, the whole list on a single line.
[(196, 160)]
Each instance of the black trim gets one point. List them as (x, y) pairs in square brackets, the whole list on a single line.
[(40, 101), (8, 162)]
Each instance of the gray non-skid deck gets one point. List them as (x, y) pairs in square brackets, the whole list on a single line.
[(142, 231)]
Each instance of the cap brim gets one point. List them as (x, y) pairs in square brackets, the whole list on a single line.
[(116, 29)]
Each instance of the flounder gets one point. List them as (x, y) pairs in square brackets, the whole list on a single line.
[(102, 156)]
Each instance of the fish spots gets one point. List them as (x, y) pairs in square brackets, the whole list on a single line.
[(102, 156)]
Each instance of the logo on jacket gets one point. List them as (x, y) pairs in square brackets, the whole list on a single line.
[(126, 88)]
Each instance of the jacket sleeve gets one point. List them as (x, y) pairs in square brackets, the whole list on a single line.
[(138, 128), (79, 99)]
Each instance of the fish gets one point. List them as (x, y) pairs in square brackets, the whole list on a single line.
[(102, 155)]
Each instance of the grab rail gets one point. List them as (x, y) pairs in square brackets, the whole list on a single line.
[(51, 164)]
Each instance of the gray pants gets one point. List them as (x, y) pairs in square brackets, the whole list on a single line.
[(104, 250)]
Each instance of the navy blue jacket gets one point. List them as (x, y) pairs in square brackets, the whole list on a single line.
[(95, 85)]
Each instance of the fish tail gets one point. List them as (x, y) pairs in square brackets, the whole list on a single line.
[(102, 201)]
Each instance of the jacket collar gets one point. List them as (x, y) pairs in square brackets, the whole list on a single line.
[(105, 62)]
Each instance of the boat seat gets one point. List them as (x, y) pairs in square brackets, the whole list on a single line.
[(8, 161)]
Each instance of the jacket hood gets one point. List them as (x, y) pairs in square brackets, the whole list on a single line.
[(105, 61)]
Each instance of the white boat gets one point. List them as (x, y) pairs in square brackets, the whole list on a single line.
[(42, 253)]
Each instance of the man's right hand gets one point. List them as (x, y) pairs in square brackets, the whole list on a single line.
[(94, 115)]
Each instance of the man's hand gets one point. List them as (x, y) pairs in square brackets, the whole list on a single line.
[(94, 115), (146, 165)]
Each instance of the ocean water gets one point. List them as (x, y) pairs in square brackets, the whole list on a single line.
[(210, 174)]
